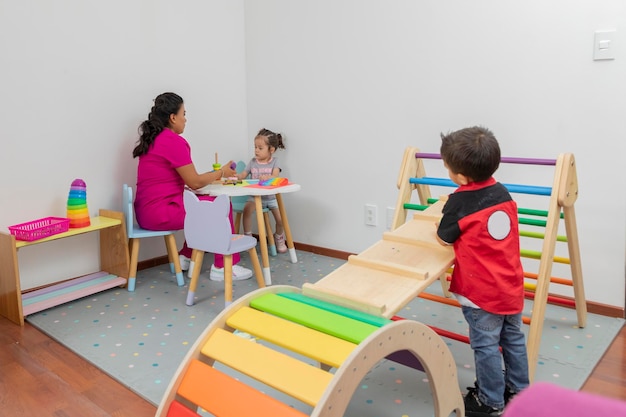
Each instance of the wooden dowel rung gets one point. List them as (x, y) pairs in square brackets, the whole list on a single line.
[(504, 159), (453, 302), (418, 207), (556, 280), (538, 235), (513, 188), (553, 299), (525, 253), (450, 335), (443, 300), (531, 222)]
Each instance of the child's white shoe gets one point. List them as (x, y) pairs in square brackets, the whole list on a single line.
[(239, 273), (184, 262)]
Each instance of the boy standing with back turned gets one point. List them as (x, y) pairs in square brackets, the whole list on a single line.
[(480, 221)]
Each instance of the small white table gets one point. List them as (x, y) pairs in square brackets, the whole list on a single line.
[(258, 192)]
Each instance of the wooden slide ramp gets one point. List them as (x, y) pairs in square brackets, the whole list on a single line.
[(385, 277)]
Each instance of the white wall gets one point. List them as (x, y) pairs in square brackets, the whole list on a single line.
[(77, 79), (351, 83)]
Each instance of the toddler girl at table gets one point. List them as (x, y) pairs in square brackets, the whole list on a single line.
[(263, 167), (165, 168)]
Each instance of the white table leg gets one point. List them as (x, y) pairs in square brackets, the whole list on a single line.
[(263, 239), (288, 238)]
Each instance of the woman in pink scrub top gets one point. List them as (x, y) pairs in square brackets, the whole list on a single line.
[(165, 168)]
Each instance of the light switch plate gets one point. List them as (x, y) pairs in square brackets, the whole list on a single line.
[(604, 45)]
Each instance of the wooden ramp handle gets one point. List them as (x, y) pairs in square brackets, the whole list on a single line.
[(343, 299), (388, 267)]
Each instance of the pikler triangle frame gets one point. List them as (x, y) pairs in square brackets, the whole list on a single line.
[(562, 196)]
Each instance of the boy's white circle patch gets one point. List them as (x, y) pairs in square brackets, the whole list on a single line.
[(499, 225)]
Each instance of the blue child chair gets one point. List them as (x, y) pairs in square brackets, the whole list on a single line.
[(135, 233), (239, 202), (208, 229)]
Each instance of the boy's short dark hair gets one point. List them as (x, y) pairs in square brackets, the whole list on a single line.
[(473, 152)]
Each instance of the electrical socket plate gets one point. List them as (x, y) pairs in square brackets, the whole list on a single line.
[(370, 215)]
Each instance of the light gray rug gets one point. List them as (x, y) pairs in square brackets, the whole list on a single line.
[(140, 338)]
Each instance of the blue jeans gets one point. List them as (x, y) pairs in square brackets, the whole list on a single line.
[(488, 332)]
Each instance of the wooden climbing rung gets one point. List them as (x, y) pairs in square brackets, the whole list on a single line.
[(178, 410), (327, 322), (302, 381), (224, 396), (321, 347), (374, 320)]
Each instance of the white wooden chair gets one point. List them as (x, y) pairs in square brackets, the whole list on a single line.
[(208, 229)]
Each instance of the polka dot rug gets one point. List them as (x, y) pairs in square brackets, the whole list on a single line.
[(140, 338)]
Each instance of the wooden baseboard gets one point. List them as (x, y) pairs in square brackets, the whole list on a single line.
[(149, 263), (332, 253), (592, 307), (605, 310)]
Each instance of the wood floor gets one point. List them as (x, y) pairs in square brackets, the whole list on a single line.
[(40, 377), (609, 376)]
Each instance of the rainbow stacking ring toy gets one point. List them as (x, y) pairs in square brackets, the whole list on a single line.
[(77, 205)]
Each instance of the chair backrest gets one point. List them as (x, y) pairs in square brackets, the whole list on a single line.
[(129, 210), (207, 226)]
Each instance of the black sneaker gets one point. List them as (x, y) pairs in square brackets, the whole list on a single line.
[(475, 408), (508, 395)]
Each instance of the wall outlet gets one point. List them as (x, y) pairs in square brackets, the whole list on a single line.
[(371, 215)]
